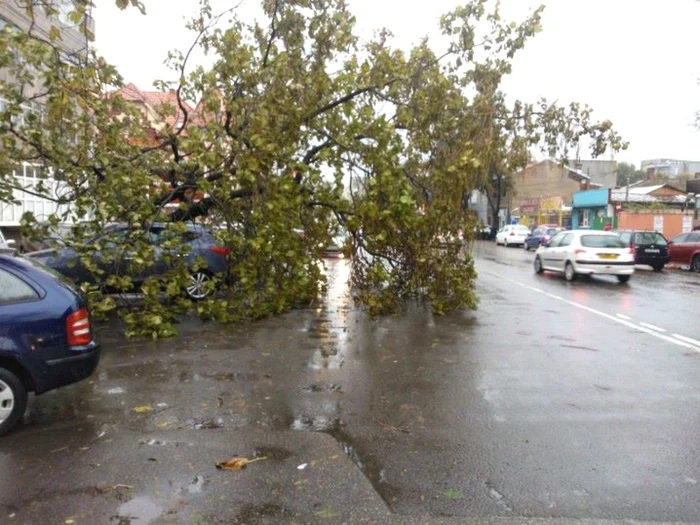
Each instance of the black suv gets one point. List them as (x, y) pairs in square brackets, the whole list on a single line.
[(649, 247)]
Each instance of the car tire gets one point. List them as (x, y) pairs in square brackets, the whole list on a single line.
[(623, 278), (695, 264), (13, 401), (505, 242), (538, 265), (569, 272), (195, 289), (658, 267), (526, 246)]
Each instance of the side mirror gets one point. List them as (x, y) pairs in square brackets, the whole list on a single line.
[(10, 242), (546, 243)]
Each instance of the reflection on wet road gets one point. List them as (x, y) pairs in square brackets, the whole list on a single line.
[(536, 405)]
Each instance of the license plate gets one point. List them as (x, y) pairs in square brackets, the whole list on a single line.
[(650, 250), (608, 256)]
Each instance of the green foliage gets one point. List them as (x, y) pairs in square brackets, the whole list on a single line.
[(300, 125), (628, 174)]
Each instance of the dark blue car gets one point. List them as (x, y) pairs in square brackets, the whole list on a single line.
[(113, 259), (539, 235), (46, 338)]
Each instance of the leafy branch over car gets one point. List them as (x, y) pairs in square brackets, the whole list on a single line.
[(298, 123)]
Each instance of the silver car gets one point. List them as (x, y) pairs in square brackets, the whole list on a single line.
[(586, 252)]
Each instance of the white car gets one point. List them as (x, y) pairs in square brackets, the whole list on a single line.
[(586, 252), (512, 234)]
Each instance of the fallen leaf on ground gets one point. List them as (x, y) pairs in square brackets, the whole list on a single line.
[(142, 409), (237, 463), (326, 513), (453, 494)]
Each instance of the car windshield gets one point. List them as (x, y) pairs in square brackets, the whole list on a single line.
[(602, 241), (650, 238), (522, 229), (552, 231)]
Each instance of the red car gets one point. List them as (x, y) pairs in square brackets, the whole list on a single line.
[(685, 249)]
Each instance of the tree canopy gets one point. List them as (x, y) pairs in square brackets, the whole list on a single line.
[(298, 124)]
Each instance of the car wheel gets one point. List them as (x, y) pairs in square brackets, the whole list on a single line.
[(198, 287), (505, 242), (13, 401), (526, 246), (695, 265), (658, 267), (538, 265), (623, 278), (569, 272)]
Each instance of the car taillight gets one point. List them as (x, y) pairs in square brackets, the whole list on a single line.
[(512, 234), (220, 250), (580, 252), (78, 328), (631, 250)]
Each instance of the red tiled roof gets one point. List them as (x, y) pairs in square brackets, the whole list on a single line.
[(164, 102)]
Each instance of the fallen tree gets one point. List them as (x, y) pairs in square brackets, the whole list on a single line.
[(298, 124)]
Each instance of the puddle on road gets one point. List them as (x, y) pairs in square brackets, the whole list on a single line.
[(138, 511), (316, 424), (196, 486)]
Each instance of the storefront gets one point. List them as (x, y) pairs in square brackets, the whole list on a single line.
[(592, 210)]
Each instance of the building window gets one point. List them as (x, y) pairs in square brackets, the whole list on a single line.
[(586, 218)]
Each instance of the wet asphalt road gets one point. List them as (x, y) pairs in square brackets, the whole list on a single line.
[(550, 401)]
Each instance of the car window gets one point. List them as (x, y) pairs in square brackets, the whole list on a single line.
[(551, 231), (566, 240), (602, 241), (556, 240), (683, 237), (649, 238), (14, 290), (522, 228), (625, 237), (693, 237)]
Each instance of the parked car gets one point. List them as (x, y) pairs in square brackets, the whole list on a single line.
[(539, 235), (512, 234), (6, 243), (114, 262), (29, 244), (582, 252), (685, 249), (46, 338), (649, 247)]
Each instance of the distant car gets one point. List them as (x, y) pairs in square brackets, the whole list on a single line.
[(46, 338), (684, 249), (649, 247), (582, 252), (540, 235), (512, 235), (202, 245)]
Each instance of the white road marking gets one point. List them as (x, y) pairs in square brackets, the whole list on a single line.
[(687, 339), (625, 317), (677, 340), (653, 327)]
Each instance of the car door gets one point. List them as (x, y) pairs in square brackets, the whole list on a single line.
[(549, 254), (676, 247), (562, 250)]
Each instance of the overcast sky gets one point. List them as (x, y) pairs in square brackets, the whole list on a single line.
[(633, 61)]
